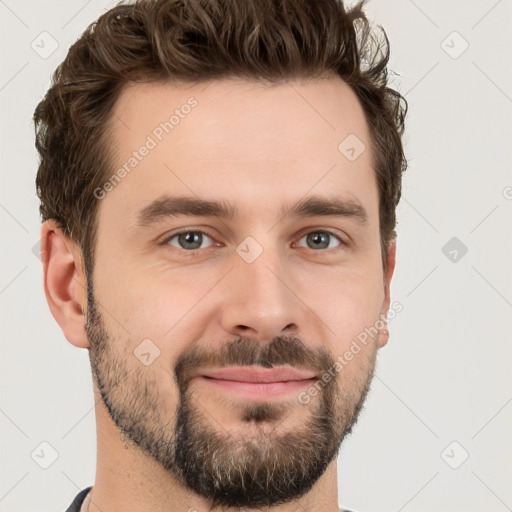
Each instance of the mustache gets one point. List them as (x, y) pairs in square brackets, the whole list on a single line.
[(246, 351)]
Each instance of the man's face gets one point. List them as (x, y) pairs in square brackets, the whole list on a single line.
[(264, 288)]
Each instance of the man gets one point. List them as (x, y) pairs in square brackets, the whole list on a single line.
[(218, 184)]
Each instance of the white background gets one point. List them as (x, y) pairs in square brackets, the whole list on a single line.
[(445, 374)]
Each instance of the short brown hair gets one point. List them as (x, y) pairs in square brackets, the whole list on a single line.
[(194, 41)]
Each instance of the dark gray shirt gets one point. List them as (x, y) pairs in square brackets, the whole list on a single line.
[(79, 499)]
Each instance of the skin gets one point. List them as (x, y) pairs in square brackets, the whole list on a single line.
[(259, 148)]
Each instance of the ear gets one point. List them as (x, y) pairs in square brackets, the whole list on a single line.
[(65, 285), (391, 255)]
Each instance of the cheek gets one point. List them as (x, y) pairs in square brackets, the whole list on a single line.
[(152, 305), (347, 302)]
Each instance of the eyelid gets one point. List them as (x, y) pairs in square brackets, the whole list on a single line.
[(304, 232), (169, 236)]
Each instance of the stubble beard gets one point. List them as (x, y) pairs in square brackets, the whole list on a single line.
[(274, 465)]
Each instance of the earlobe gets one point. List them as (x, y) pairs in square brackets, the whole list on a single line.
[(65, 284), (384, 333)]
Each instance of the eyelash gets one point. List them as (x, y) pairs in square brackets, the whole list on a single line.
[(194, 251)]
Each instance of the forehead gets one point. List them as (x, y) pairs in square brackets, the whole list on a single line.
[(248, 143)]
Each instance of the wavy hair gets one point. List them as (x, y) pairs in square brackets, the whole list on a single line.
[(196, 41)]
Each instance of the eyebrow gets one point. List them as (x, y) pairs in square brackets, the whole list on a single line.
[(169, 206)]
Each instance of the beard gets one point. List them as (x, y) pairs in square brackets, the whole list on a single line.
[(268, 466)]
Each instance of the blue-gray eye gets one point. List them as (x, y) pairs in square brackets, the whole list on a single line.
[(321, 240), (192, 240), (188, 240)]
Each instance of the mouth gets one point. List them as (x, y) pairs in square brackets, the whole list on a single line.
[(251, 382)]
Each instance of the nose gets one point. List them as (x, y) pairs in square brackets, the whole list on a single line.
[(261, 301)]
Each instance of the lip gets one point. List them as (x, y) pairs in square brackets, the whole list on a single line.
[(258, 375), (257, 383)]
